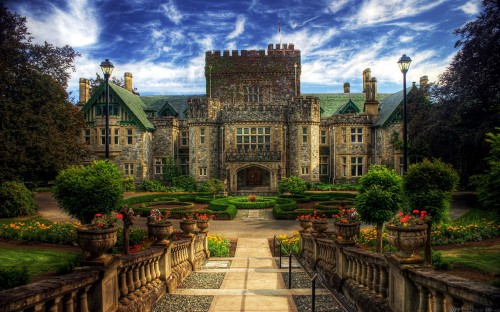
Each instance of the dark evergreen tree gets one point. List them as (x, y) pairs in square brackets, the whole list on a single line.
[(466, 101), (39, 128)]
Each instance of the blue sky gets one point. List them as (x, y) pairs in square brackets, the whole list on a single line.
[(163, 43)]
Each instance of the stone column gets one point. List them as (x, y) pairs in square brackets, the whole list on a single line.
[(104, 294)]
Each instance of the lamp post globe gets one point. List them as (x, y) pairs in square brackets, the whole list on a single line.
[(107, 70), (404, 65)]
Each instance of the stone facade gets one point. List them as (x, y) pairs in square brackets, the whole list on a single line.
[(252, 129)]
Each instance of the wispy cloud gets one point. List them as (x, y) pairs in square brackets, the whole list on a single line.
[(172, 13), (239, 27), (76, 26), (471, 8), (337, 5)]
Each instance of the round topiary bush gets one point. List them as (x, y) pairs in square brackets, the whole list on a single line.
[(16, 200)]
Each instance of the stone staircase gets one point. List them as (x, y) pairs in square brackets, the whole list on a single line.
[(250, 281)]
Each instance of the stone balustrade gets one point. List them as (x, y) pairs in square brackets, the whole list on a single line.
[(132, 282), (375, 282)]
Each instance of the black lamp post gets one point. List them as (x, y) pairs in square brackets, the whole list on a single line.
[(295, 77), (404, 65), (107, 69)]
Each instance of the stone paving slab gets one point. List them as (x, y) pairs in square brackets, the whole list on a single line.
[(253, 303), (249, 292)]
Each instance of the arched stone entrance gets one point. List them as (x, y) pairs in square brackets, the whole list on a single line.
[(253, 177)]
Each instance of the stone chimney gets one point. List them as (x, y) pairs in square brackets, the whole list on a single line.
[(424, 80), (367, 75), (371, 102), (347, 87), (84, 91), (128, 82)]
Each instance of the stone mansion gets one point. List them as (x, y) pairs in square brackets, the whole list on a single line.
[(251, 129)]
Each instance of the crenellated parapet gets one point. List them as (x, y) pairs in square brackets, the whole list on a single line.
[(304, 109)]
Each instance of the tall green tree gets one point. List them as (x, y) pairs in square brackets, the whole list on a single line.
[(380, 196), (466, 100), (39, 127)]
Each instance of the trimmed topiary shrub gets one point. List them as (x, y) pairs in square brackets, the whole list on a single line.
[(83, 191), (259, 203), (298, 198), (128, 184), (16, 200)]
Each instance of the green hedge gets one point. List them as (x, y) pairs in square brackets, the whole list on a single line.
[(145, 208), (297, 198), (13, 277), (259, 203)]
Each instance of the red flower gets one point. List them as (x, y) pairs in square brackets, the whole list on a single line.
[(119, 216), (98, 215), (416, 211), (400, 214)]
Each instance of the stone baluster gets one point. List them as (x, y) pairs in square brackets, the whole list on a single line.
[(54, 304), (157, 268), (142, 275), (130, 282), (122, 281), (369, 276), (384, 281), (423, 299), (363, 273), (137, 278), (376, 279), (359, 270), (456, 303), (82, 299), (69, 301), (438, 301), (149, 277)]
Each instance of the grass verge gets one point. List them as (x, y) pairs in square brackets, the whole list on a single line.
[(484, 259)]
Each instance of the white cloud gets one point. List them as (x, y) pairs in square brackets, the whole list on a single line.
[(471, 8), (373, 12), (405, 38), (172, 12), (77, 26), (238, 28), (337, 5)]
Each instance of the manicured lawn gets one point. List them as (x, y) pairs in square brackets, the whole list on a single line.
[(37, 261), (485, 259)]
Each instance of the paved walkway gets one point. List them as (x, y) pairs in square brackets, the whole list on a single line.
[(253, 282)]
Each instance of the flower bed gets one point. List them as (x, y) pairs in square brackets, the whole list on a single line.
[(46, 232)]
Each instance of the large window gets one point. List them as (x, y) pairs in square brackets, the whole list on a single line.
[(116, 136), (322, 137), (114, 110), (158, 165), (323, 165), (130, 137), (254, 95), (356, 166), (253, 138), (86, 136), (184, 165), (357, 135), (103, 136), (304, 134), (184, 138), (344, 166), (128, 169), (202, 135)]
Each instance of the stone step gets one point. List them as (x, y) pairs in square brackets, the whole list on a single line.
[(249, 292)]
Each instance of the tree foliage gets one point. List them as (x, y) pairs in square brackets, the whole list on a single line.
[(488, 184), (293, 185), (16, 200), (466, 101), (429, 186), (83, 191), (380, 196), (38, 125), (213, 186)]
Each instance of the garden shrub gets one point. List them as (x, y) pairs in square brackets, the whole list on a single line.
[(128, 184), (83, 191), (186, 183), (438, 263), (153, 186), (218, 246), (145, 208), (293, 185), (16, 200), (319, 197), (13, 277), (259, 203), (136, 236), (298, 198), (212, 186)]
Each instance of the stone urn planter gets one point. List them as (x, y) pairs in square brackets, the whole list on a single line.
[(96, 242), (188, 227), (305, 225), (407, 240), (160, 231), (320, 227), (347, 231), (202, 225)]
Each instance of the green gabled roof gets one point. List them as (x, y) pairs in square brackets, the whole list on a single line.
[(348, 108), (332, 102), (388, 107), (161, 103), (134, 104)]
